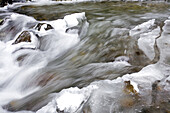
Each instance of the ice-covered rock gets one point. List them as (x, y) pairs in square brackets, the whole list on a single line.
[(164, 44), (26, 40), (43, 27), (142, 28), (68, 100), (147, 76), (146, 42)]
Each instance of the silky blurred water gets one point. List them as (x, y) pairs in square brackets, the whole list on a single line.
[(107, 38)]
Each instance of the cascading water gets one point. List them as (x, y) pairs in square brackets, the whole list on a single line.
[(86, 57), (22, 57)]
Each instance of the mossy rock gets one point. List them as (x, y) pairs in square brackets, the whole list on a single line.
[(25, 36)]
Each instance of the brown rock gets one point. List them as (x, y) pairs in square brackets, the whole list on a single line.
[(25, 36), (129, 89)]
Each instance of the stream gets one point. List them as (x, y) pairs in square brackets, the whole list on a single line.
[(85, 57)]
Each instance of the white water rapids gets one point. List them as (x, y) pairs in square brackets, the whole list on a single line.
[(30, 51), (56, 42)]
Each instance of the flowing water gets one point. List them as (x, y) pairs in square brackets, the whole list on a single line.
[(77, 54)]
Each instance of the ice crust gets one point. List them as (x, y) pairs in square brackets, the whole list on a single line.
[(110, 95)]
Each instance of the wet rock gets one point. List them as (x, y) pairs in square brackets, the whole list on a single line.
[(2, 22), (44, 26), (129, 89), (25, 36), (20, 0), (127, 102), (5, 2)]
